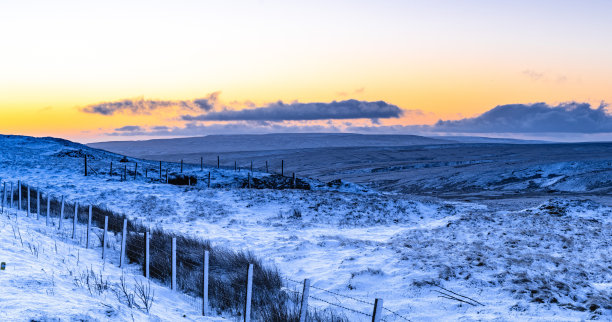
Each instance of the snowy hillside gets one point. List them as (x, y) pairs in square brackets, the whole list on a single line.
[(404, 165), (532, 258)]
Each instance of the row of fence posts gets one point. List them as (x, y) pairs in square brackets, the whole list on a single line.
[(378, 304), (125, 173), (124, 176)]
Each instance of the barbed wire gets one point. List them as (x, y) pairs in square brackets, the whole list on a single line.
[(338, 305), (396, 314)]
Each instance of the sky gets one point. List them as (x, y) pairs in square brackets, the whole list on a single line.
[(113, 70)]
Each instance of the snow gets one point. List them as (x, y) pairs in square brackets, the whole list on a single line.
[(43, 269), (359, 242)]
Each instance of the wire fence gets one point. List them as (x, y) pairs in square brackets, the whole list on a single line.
[(177, 261)]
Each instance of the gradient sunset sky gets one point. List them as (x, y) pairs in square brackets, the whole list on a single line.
[(435, 60)]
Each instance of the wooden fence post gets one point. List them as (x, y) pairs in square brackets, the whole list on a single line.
[(37, 203), (173, 281), (123, 243), (85, 166), (61, 215), (19, 187), (135, 170), (205, 284), (28, 207), (218, 162), (3, 196), (304, 303), (282, 167), (147, 252), (235, 166), (378, 308), (249, 294), (209, 179), (12, 196), (251, 165), (48, 210), (166, 175), (111, 169), (74, 221), (88, 227), (125, 172), (293, 180), (160, 171), (249, 180), (181, 165), (105, 237), (147, 173)]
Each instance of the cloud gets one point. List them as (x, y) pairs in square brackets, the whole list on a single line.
[(533, 75), (569, 117), (129, 128), (194, 129), (146, 106), (209, 102), (275, 112)]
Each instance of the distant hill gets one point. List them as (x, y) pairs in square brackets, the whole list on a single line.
[(261, 142)]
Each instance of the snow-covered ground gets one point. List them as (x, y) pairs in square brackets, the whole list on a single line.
[(542, 260), (50, 277)]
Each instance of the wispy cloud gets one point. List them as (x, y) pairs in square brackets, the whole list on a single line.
[(129, 128), (275, 112), (146, 106), (194, 129)]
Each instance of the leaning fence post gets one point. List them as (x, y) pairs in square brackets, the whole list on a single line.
[(74, 221), (249, 294), (105, 236), (48, 210), (61, 215), (304, 304), (147, 252), (88, 227), (123, 243), (205, 284), (378, 308), (173, 282), (28, 214), (37, 203)]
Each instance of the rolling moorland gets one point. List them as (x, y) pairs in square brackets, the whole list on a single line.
[(521, 228)]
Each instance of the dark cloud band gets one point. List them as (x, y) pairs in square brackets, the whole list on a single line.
[(534, 118), (349, 109)]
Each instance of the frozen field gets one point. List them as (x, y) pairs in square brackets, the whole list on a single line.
[(535, 256)]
